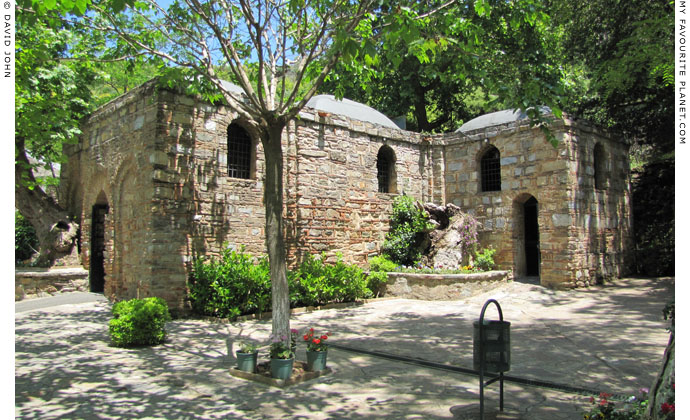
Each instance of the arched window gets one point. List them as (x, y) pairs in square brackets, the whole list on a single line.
[(600, 176), (385, 169), (239, 152), (490, 165)]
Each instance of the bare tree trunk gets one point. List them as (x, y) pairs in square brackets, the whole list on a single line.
[(56, 232), (273, 198)]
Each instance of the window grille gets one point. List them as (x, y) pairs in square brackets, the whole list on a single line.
[(491, 170), (239, 152), (384, 166)]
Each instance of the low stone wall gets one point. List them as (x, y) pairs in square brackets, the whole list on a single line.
[(441, 286), (36, 282)]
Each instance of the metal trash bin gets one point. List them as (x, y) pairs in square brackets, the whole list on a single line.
[(496, 346)]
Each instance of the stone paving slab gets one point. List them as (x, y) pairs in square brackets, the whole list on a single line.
[(610, 338)]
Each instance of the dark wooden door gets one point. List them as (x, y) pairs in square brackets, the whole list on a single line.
[(97, 270), (532, 256)]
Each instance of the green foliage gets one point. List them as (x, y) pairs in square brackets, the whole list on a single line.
[(230, 286), (25, 240), (605, 409), (246, 347), (139, 322), (453, 65), (654, 216), (279, 349), (235, 284), (382, 263), (617, 61), (316, 283), (408, 223), (484, 259), (375, 282)]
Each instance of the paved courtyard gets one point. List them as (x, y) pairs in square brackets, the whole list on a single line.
[(606, 338)]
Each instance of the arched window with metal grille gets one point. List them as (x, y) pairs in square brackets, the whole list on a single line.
[(490, 166), (385, 170), (239, 152)]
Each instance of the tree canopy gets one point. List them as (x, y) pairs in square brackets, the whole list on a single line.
[(472, 58)]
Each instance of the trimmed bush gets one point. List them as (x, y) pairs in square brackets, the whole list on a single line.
[(237, 284), (139, 322), (382, 263), (317, 283), (230, 286)]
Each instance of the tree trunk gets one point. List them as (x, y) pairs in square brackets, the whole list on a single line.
[(273, 199), (663, 390), (56, 232)]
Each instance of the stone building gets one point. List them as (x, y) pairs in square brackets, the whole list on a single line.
[(158, 178)]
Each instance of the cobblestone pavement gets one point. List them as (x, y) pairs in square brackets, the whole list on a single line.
[(608, 338)]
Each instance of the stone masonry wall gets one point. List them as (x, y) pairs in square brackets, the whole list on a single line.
[(599, 219), (579, 230), (333, 201), (530, 167), (110, 166), (158, 160)]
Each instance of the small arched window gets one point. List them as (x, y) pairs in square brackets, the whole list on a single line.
[(490, 166), (385, 169), (239, 152)]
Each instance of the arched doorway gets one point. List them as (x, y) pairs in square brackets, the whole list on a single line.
[(526, 255), (97, 261), (531, 223)]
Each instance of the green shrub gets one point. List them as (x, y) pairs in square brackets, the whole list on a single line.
[(316, 283), (25, 239), (408, 224), (484, 259), (653, 197), (139, 322), (375, 282), (235, 284), (382, 263), (230, 286)]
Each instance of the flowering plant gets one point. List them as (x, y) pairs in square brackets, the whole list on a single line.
[(279, 348), (315, 342), (246, 347), (605, 409)]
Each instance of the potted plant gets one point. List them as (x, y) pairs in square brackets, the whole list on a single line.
[(282, 358), (246, 356), (317, 350)]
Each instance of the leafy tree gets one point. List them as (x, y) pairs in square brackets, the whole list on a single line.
[(51, 95), (280, 52), (487, 55), (619, 59), (257, 42), (59, 80)]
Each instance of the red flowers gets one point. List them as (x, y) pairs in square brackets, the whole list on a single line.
[(668, 408), (316, 343)]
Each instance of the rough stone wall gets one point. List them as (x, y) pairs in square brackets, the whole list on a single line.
[(158, 160), (110, 166), (333, 203), (599, 219), (580, 229)]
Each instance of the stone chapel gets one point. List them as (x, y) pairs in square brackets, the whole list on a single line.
[(159, 177)]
